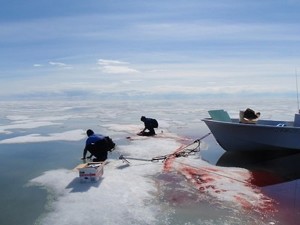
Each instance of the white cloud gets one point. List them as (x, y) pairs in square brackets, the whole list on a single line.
[(57, 63), (60, 65), (167, 47), (115, 67), (108, 62)]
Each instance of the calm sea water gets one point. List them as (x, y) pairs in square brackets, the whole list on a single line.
[(34, 140)]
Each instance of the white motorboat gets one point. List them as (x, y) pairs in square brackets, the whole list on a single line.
[(238, 135)]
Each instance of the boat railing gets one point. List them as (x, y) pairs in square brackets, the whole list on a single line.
[(273, 123)]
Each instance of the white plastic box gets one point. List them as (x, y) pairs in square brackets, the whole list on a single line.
[(90, 172)]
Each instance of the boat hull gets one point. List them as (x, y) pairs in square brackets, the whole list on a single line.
[(235, 136)]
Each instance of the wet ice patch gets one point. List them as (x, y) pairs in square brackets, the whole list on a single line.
[(17, 122), (147, 148), (72, 135), (229, 186), (124, 195), (132, 130), (131, 193), (127, 128), (6, 129)]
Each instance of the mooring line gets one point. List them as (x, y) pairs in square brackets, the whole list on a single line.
[(183, 152)]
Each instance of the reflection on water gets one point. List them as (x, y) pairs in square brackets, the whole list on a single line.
[(267, 168), (277, 173)]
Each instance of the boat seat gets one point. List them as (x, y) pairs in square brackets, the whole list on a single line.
[(219, 115), (245, 120)]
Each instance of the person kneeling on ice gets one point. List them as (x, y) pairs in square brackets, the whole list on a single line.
[(150, 124), (98, 145)]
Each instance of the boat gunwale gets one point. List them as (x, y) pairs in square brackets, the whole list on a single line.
[(236, 122)]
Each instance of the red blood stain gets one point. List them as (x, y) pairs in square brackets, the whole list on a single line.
[(197, 178), (168, 163), (264, 178), (204, 180), (244, 202)]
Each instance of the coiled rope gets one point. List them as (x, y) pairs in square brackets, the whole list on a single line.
[(183, 152)]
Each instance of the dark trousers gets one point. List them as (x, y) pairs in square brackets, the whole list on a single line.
[(150, 132), (99, 150)]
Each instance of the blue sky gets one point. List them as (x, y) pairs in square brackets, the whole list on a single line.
[(148, 49)]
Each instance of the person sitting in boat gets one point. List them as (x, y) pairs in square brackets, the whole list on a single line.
[(98, 145), (149, 124), (249, 116)]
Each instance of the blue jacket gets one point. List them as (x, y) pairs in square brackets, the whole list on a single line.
[(94, 138), (91, 140)]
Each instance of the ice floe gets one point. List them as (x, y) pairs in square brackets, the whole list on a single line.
[(130, 193), (72, 135)]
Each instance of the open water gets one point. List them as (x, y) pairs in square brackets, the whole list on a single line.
[(41, 143)]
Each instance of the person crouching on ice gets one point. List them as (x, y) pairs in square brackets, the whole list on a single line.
[(98, 145), (150, 124)]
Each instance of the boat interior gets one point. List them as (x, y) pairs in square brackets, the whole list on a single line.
[(222, 115)]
